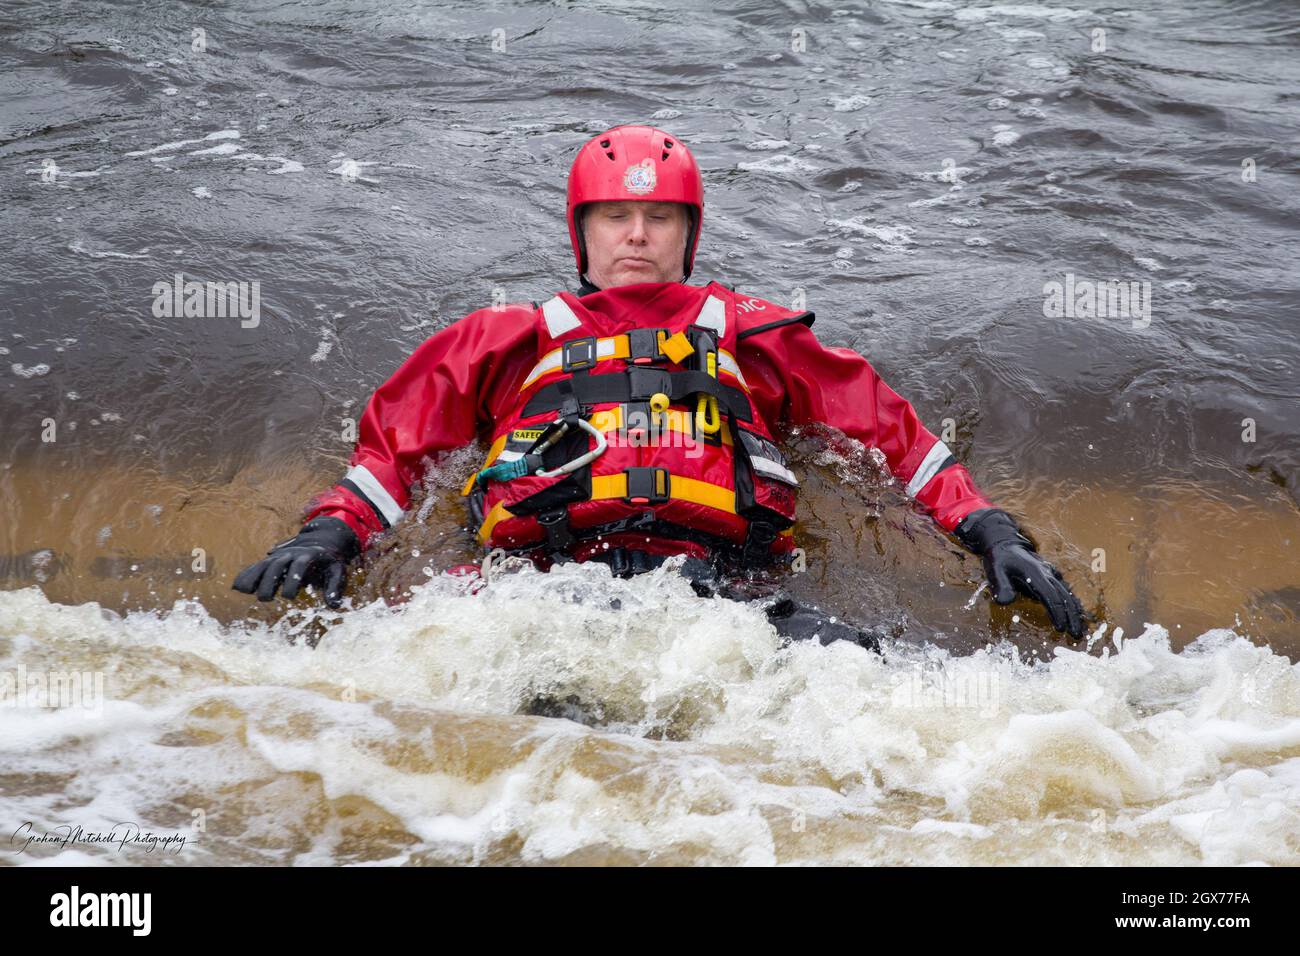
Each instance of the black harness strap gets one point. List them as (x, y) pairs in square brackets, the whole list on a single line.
[(638, 385)]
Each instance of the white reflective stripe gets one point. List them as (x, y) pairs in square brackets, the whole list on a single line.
[(360, 476), (713, 315), (553, 360), (559, 317), (728, 364), (507, 455), (773, 470), (928, 468), (549, 363)]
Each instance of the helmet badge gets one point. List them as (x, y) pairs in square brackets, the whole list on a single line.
[(639, 179)]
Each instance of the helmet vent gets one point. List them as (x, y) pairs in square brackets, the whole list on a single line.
[(668, 144)]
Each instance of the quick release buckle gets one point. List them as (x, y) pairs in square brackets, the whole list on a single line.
[(579, 354), (646, 486), (645, 383), (638, 421), (643, 346)]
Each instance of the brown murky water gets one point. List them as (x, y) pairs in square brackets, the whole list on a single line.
[(127, 540)]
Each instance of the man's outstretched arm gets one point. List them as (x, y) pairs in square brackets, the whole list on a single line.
[(794, 378), (455, 381)]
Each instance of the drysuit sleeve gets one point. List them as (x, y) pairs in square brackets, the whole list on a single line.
[(795, 379), (458, 380)]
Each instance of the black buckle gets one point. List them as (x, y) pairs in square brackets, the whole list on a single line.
[(643, 346), (638, 420), (647, 486), (579, 354), (645, 383), (559, 538), (699, 333), (570, 407), (703, 341)]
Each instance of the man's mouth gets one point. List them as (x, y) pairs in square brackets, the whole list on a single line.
[(635, 262)]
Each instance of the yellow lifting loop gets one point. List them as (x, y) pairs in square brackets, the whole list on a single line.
[(707, 419)]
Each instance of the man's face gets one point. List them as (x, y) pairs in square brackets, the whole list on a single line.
[(629, 242)]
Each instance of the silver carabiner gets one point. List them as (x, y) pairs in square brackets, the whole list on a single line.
[(583, 459)]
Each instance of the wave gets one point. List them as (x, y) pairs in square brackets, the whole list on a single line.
[(574, 717)]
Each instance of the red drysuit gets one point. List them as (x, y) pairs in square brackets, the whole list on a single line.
[(464, 380)]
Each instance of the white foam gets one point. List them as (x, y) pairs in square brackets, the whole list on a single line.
[(1004, 135), (286, 166), (782, 165), (323, 349), (410, 716), (851, 104), (34, 371), (178, 144), (1024, 10), (107, 253), (221, 149), (896, 236)]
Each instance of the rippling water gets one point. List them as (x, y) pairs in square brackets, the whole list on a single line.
[(919, 171)]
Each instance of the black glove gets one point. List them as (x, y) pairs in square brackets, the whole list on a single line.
[(1012, 564), (319, 555)]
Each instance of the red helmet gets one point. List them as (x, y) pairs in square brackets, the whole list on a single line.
[(635, 163)]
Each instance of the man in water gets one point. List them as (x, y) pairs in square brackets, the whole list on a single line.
[(633, 420)]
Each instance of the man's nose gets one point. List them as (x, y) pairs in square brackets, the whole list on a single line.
[(636, 228)]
